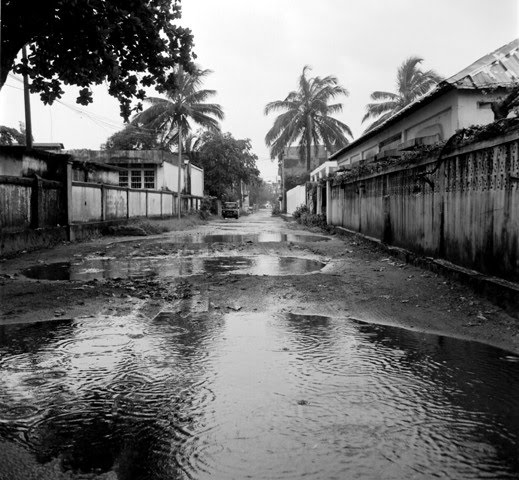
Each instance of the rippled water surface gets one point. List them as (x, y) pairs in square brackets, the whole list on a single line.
[(263, 237), (99, 268), (253, 396)]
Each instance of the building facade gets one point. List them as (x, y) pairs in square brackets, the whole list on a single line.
[(458, 102)]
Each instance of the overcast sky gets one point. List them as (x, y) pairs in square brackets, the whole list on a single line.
[(257, 50)]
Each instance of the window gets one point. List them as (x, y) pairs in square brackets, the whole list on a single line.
[(136, 178), (123, 178), (149, 179)]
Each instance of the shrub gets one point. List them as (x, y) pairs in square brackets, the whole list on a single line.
[(313, 220), (302, 209), (205, 207)]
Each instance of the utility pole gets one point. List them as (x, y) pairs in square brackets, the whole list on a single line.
[(27, 101), (179, 166), (180, 75)]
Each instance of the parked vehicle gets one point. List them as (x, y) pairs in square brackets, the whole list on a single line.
[(231, 209)]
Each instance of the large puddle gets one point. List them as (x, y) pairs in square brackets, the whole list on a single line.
[(263, 237), (100, 268), (253, 396)]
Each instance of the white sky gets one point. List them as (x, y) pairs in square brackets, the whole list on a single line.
[(257, 51)]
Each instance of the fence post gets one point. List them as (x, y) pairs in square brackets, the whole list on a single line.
[(37, 212), (127, 202), (103, 202), (69, 202), (146, 203), (328, 202)]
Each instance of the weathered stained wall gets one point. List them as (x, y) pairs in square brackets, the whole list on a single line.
[(464, 208), (98, 203), (30, 203), (15, 206)]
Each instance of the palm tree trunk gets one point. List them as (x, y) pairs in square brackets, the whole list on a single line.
[(308, 145)]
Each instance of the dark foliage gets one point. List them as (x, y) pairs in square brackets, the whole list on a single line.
[(11, 136), (132, 138), (130, 44), (226, 162)]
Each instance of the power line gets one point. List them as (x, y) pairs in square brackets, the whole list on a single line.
[(100, 120)]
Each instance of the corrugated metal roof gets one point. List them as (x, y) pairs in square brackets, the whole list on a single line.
[(497, 69)]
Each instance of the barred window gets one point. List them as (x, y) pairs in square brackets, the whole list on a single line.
[(123, 178), (149, 179), (136, 178)]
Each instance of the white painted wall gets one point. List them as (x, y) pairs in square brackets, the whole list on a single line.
[(438, 112), (168, 175), (444, 115), (295, 198), (197, 181)]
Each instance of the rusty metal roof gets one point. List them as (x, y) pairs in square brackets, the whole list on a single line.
[(497, 69)]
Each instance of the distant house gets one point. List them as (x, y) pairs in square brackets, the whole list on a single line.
[(148, 169), (294, 163), (457, 102)]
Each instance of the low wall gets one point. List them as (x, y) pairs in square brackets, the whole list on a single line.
[(98, 203), (295, 198), (31, 203), (463, 208)]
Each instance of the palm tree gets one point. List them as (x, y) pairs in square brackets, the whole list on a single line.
[(173, 116), (181, 107), (411, 83), (306, 118)]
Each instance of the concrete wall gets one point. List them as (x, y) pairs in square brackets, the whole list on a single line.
[(137, 203), (295, 198), (36, 211), (168, 175), (87, 203), (98, 203), (15, 206), (30, 203), (197, 181), (464, 208)]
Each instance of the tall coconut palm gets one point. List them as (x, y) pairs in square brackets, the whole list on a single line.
[(174, 115), (307, 117), (181, 108), (411, 82)]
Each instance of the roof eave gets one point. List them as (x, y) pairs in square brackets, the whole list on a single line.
[(440, 89)]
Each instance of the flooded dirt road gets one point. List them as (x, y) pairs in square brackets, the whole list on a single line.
[(245, 349)]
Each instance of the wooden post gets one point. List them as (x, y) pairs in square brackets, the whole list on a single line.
[(37, 212), (69, 202), (127, 202), (103, 203)]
